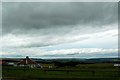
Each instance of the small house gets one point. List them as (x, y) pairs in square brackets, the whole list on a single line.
[(117, 65), (27, 62)]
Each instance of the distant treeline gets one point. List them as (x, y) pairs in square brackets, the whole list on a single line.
[(71, 61)]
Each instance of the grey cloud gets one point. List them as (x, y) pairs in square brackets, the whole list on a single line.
[(46, 24), (51, 17)]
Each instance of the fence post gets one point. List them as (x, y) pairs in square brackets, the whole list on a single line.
[(67, 72), (93, 73), (45, 71)]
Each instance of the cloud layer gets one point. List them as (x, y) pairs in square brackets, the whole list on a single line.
[(64, 53), (46, 24), (49, 17)]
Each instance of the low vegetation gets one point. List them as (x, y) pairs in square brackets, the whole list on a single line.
[(99, 71)]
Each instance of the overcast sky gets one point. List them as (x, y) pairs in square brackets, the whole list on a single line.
[(66, 29)]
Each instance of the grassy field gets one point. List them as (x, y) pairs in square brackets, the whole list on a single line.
[(81, 72)]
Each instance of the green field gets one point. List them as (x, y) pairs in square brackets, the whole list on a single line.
[(81, 72)]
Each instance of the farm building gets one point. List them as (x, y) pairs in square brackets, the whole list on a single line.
[(9, 62), (2, 62), (116, 65), (27, 62)]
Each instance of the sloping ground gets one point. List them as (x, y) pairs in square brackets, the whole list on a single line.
[(63, 79), (20, 73)]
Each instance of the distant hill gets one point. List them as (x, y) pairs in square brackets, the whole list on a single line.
[(64, 60), (92, 60)]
